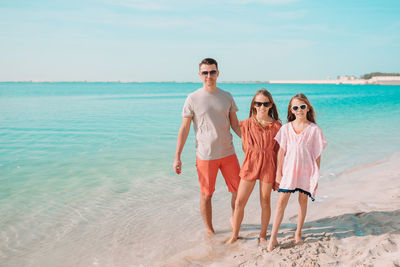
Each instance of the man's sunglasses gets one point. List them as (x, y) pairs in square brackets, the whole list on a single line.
[(212, 73), (303, 107), (265, 104)]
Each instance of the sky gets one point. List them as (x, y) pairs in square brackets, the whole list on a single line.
[(164, 40)]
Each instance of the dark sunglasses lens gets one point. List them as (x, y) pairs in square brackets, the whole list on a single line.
[(303, 107), (259, 104), (295, 108), (205, 73)]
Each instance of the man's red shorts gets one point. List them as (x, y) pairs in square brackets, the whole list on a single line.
[(208, 170)]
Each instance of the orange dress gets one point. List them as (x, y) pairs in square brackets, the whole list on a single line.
[(260, 149)]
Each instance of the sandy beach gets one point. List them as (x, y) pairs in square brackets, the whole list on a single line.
[(355, 221)]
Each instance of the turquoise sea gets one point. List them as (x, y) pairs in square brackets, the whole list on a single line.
[(86, 172)]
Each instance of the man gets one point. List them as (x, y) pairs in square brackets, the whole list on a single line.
[(213, 112)]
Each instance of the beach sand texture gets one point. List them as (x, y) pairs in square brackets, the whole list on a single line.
[(358, 226)]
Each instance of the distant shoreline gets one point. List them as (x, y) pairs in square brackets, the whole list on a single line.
[(377, 80), (381, 80)]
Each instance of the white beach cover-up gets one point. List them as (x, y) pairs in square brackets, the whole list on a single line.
[(300, 170)]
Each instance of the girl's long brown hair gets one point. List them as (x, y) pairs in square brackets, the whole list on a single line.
[(272, 112), (310, 113)]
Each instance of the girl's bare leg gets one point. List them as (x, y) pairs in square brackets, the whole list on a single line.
[(233, 201), (303, 198), (265, 201), (279, 212), (245, 189)]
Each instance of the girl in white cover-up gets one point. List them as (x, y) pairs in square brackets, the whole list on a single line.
[(301, 144)]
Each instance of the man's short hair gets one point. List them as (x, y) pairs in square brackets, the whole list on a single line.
[(208, 61)]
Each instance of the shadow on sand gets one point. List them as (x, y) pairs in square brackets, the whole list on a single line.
[(342, 226)]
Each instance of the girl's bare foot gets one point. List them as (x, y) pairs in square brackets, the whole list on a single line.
[(232, 240), (262, 240), (297, 239), (210, 232), (272, 244)]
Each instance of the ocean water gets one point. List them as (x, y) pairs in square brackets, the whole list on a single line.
[(86, 172)]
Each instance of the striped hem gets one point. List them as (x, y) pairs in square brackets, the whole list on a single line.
[(297, 189)]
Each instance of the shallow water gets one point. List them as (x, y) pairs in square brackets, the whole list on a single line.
[(86, 168)]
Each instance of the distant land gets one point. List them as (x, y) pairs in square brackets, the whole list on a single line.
[(376, 74), (379, 78), (370, 78)]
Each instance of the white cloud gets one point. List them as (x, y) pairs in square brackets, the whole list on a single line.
[(289, 15), (268, 2), (141, 4), (157, 5)]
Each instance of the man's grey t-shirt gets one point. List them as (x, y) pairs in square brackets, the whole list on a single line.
[(210, 113)]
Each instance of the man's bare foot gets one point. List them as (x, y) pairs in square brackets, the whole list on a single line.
[(272, 244), (231, 240)]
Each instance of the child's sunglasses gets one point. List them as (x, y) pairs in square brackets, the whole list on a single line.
[(265, 104), (303, 107)]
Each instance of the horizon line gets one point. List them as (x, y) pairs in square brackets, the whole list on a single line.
[(86, 81)]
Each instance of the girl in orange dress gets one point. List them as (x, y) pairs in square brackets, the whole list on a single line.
[(260, 147)]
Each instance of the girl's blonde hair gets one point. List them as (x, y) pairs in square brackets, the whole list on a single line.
[(310, 113), (272, 112)]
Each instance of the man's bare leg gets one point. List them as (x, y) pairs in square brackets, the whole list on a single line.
[(206, 213)]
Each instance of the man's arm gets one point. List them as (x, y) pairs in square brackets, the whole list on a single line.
[(235, 123), (182, 136)]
